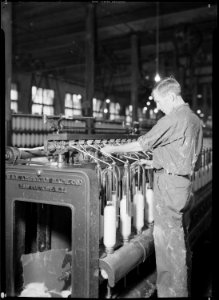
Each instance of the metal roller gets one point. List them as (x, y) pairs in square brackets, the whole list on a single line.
[(12, 153), (117, 265)]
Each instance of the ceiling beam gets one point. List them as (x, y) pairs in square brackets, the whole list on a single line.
[(39, 10), (111, 31), (174, 19), (76, 48)]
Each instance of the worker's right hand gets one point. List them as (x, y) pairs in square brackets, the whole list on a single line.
[(146, 163)]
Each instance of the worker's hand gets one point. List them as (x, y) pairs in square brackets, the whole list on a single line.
[(146, 163), (108, 149)]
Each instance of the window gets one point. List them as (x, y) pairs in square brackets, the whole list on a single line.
[(114, 109), (128, 114), (73, 105), (97, 108), (14, 98), (42, 101)]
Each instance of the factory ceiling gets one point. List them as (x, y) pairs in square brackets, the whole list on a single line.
[(49, 38)]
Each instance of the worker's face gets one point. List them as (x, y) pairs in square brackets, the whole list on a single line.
[(164, 103)]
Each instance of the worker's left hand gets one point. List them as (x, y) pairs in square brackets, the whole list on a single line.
[(146, 163)]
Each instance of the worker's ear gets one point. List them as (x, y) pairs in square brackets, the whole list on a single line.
[(172, 96)]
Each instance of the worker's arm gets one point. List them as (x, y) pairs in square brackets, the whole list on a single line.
[(128, 147), (160, 134)]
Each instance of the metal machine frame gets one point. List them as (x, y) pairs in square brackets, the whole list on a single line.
[(31, 184)]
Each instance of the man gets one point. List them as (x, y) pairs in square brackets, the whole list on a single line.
[(176, 142)]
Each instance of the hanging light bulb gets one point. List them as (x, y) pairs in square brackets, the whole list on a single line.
[(157, 76)]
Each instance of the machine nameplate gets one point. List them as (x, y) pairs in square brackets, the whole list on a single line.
[(76, 181), (42, 188)]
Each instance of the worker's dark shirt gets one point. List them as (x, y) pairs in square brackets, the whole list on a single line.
[(176, 141)]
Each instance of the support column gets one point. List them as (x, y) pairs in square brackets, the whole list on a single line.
[(25, 91), (134, 76), (7, 28), (59, 99), (90, 61)]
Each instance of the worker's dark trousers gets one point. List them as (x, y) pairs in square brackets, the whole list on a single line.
[(173, 257)]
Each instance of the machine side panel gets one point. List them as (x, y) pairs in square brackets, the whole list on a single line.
[(64, 187)]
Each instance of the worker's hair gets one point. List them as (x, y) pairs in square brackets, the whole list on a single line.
[(166, 85)]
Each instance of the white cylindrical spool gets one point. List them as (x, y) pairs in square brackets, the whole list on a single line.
[(27, 140), (14, 139), (115, 203), (150, 203), (31, 123), (22, 125), (101, 226), (35, 124), (40, 124), (18, 140), (27, 122), (40, 139), (139, 210), (104, 274), (125, 220), (23, 140), (31, 140), (134, 209), (36, 140), (109, 236)]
